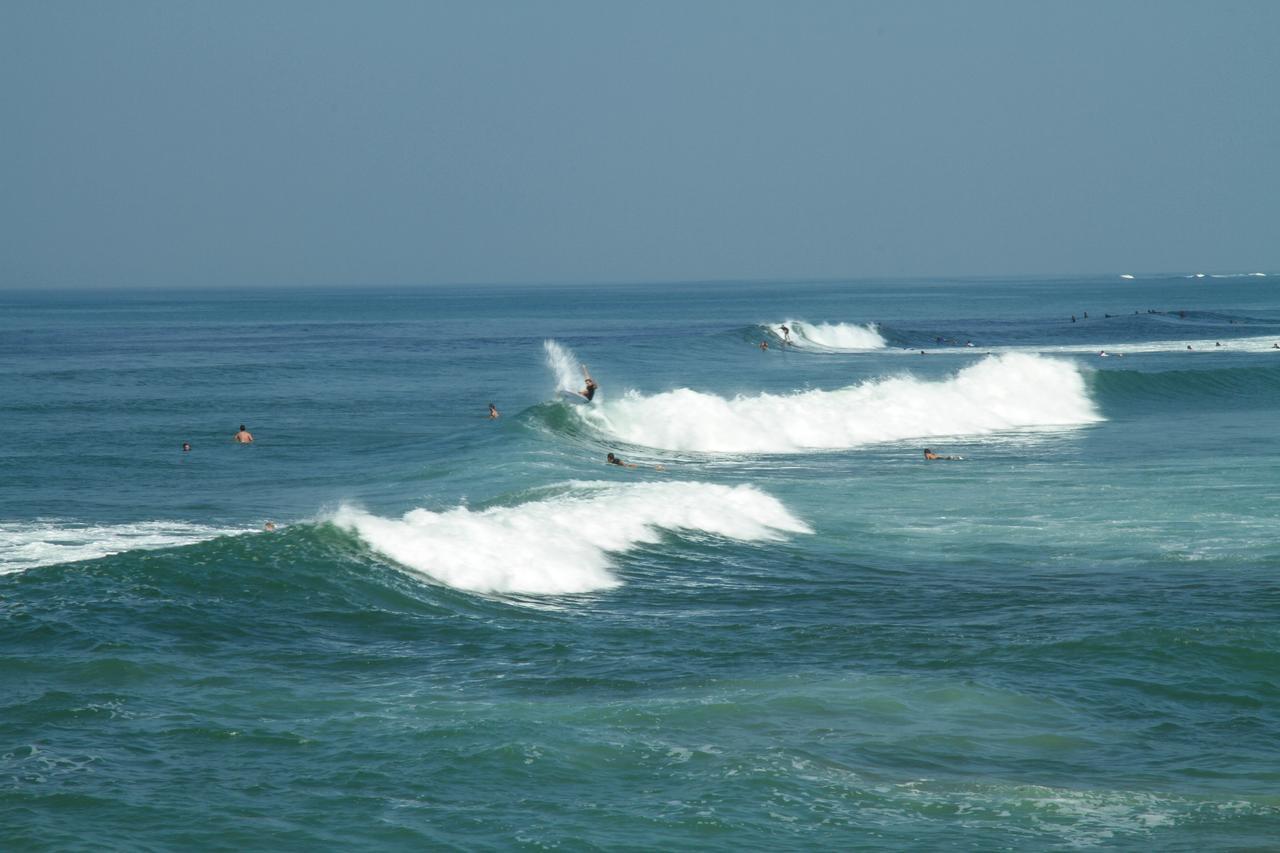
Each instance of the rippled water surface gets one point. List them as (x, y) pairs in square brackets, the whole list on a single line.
[(783, 628)]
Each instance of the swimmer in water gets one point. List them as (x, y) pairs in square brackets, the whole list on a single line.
[(243, 436), (764, 345), (493, 412), (186, 445), (614, 460)]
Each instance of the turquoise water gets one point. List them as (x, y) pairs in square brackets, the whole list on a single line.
[(798, 633)]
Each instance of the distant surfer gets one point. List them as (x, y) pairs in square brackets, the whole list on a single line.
[(493, 412), (786, 334), (243, 436), (931, 456), (590, 390)]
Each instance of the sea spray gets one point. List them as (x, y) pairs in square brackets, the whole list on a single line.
[(564, 366), (1011, 391), (562, 544)]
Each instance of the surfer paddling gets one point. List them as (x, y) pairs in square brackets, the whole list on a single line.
[(930, 456), (614, 460), (590, 390)]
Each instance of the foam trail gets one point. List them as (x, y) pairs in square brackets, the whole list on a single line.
[(1004, 392), (565, 366), (562, 544), (28, 544), (833, 337)]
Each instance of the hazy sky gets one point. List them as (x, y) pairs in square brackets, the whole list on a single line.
[(245, 143)]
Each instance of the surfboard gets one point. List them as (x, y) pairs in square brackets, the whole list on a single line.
[(573, 397)]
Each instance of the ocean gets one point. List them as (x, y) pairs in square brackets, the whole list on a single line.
[(784, 628)]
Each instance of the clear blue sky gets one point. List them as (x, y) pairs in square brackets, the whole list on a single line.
[(261, 143)]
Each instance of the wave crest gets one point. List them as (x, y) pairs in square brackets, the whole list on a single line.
[(1003, 392), (832, 337), (562, 545)]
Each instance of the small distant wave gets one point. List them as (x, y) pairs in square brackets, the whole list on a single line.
[(1004, 392), (29, 544), (831, 337), (1255, 344), (563, 544)]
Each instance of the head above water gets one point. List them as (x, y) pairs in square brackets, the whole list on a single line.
[(242, 427)]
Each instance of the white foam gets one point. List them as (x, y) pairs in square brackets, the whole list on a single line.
[(563, 544), (833, 337), (1253, 344), (28, 544), (998, 393), (564, 365)]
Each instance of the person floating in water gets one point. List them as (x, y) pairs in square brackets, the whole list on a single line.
[(614, 460), (590, 390), (931, 456), (270, 526), (243, 436), (764, 345), (186, 446), (493, 412)]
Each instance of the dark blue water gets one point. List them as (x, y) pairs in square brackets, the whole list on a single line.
[(782, 629)]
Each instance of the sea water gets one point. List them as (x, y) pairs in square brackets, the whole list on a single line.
[(783, 628)]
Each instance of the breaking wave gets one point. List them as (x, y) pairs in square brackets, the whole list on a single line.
[(563, 544), (1010, 391), (28, 544), (831, 337)]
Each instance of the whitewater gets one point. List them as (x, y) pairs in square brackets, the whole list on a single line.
[(1000, 393), (563, 544)]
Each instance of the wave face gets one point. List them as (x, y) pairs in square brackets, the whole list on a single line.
[(832, 337), (562, 544), (26, 545), (1010, 391)]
